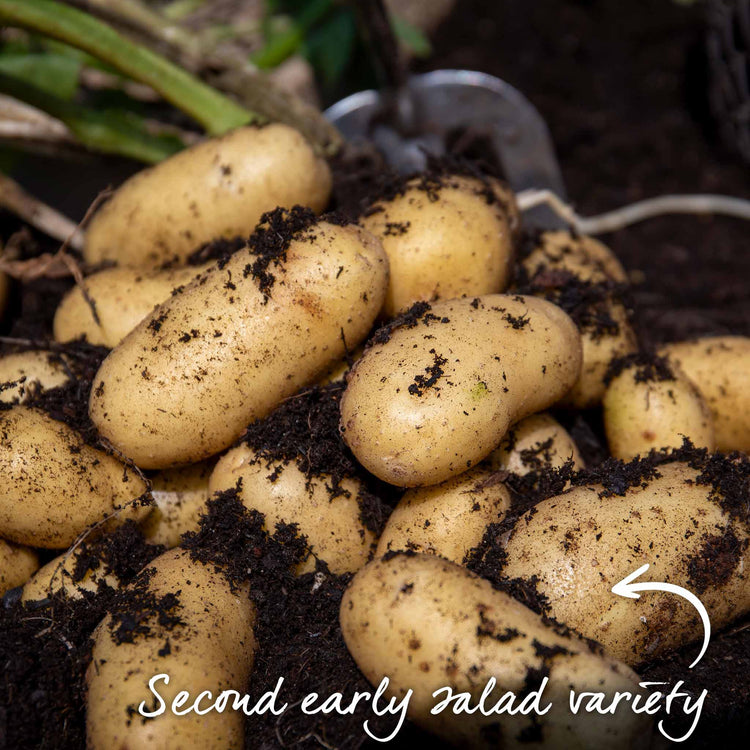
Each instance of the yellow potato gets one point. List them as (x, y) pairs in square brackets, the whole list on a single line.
[(53, 486), (17, 565), (122, 297), (440, 394), (428, 624), (26, 373), (581, 543), (332, 525), (444, 238), (448, 519), (185, 383), (719, 367), (211, 648), (218, 188), (537, 442), (651, 407)]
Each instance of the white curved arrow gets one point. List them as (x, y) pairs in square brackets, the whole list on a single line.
[(627, 588)]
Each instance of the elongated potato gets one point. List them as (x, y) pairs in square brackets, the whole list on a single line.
[(441, 392), (446, 237), (53, 486), (332, 524), (428, 624), (17, 565), (25, 373), (447, 519), (218, 188), (581, 543), (652, 405), (719, 367), (536, 442), (180, 496), (122, 297), (210, 647), (240, 338)]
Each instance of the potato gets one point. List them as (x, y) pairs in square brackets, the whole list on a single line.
[(439, 395), (333, 525), (428, 624), (123, 297), (536, 442), (719, 367), (180, 496), (448, 519), (185, 383), (581, 543), (17, 565), (650, 405), (447, 237), (53, 486), (211, 648), (29, 372), (218, 188)]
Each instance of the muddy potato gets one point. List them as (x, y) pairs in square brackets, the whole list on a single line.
[(180, 497), (333, 525), (17, 565), (218, 188), (211, 648), (448, 519), (719, 367), (225, 351), (53, 486), (438, 396), (122, 297), (445, 237), (29, 372), (581, 543), (652, 405), (536, 442), (427, 624)]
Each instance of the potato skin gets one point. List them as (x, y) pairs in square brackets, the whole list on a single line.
[(217, 188), (439, 395), (332, 525), (123, 298), (443, 240), (580, 544), (427, 623), (53, 486), (719, 367), (37, 370), (213, 649), (448, 519), (17, 565), (184, 384)]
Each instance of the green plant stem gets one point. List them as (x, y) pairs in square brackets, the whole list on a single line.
[(214, 111)]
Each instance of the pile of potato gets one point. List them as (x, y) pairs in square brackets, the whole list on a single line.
[(446, 399)]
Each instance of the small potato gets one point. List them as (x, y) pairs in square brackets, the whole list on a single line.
[(650, 405), (210, 647), (446, 237), (581, 543), (332, 525), (448, 519), (537, 442), (17, 565), (719, 367), (122, 297), (53, 486), (180, 496), (239, 339), (218, 188), (439, 395), (26, 373), (428, 624)]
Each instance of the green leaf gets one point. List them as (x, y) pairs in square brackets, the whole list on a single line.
[(412, 37), (55, 74), (330, 46)]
